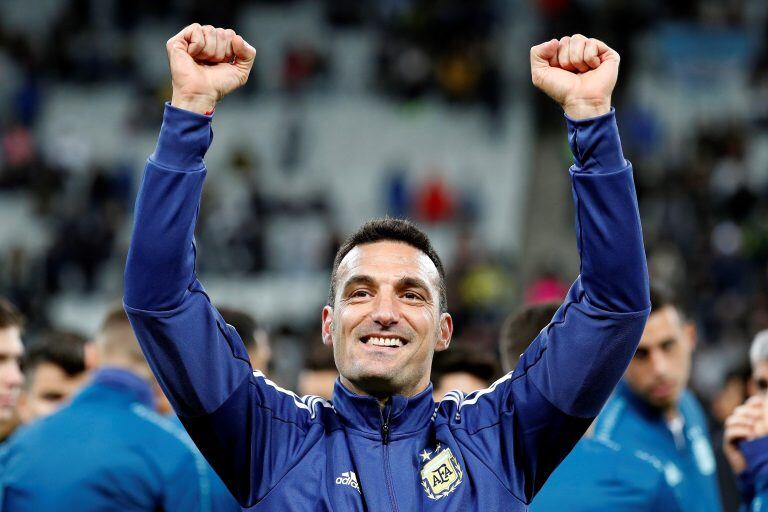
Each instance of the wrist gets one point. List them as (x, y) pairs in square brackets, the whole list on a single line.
[(586, 109), (200, 104)]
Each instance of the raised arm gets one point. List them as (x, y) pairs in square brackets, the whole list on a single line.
[(530, 419), (238, 419)]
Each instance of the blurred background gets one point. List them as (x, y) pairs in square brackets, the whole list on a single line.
[(356, 109)]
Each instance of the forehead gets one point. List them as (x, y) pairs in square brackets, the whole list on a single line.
[(10, 342), (47, 373), (760, 369), (663, 324), (387, 260)]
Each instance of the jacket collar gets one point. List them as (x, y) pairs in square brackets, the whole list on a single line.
[(120, 381), (404, 415)]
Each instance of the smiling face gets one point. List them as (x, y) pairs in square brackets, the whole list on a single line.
[(385, 323)]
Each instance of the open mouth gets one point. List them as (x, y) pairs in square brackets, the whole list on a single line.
[(384, 341)]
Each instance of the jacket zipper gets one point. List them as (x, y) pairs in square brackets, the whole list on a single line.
[(385, 447)]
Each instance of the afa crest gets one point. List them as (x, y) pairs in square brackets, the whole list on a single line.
[(441, 474)]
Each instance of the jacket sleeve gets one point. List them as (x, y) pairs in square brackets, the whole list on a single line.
[(528, 421), (754, 480), (249, 429)]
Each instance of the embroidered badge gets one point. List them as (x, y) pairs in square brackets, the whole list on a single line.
[(440, 473)]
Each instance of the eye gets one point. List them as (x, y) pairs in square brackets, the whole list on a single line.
[(361, 293), (411, 295)]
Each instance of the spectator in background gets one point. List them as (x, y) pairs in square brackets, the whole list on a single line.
[(11, 378), (319, 373), (54, 370), (135, 460), (652, 410), (744, 441), (758, 359), (462, 369), (520, 329), (254, 337), (597, 475)]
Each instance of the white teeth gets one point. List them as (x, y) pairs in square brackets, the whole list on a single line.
[(386, 342)]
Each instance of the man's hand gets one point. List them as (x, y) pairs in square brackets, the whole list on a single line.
[(747, 422), (207, 63), (576, 72)]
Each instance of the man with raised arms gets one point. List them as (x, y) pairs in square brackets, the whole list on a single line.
[(382, 443)]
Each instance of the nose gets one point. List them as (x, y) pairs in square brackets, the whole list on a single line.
[(385, 310), (659, 363)]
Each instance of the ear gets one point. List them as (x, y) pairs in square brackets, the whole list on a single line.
[(327, 327), (690, 334), (91, 355), (446, 332)]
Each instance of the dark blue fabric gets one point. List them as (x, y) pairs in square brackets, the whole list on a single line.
[(490, 450), (689, 463), (601, 476), (106, 451), (221, 499), (754, 480)]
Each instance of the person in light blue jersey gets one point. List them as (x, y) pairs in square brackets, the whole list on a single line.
[(652, 410), (597, 475), (108, 450)]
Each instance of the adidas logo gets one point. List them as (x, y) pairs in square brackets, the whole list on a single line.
[(348, 478)]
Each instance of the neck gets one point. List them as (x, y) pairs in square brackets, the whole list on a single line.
[(380, 392)]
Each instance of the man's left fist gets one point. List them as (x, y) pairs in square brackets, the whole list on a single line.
[(576, 72)]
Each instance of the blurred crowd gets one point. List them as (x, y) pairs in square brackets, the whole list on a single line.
[(700, 153)]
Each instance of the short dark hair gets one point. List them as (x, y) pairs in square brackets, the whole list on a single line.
[(63, 348), (464, 360), (521, 328), (9, 315), (397, 230), (245, 325), (663, 296)]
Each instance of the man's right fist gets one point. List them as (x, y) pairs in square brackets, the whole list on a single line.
[(207, 63)]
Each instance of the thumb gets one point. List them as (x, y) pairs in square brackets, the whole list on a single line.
[(244, 53), (543, 53)]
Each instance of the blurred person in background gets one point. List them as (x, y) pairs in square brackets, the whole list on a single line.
[(108, 449), (597, 476), (253, 335), (54, 370), (462, 369), (385, 316), (744, 443), (520, 328), (653, 412), (758, 360), (11, 378), (319, 374)]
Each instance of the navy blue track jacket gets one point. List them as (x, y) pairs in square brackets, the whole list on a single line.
[(490, 450)]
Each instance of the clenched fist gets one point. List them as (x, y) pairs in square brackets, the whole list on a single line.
[(207, 63), (577, 72), (748, 421)]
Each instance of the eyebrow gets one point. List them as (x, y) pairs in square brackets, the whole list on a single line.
[(402, 283), (359, 280), (414, 282)]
